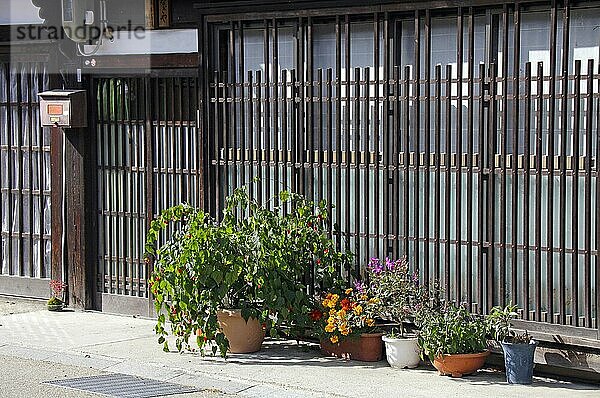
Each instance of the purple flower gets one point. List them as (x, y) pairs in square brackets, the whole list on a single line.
[(389, 264), (415, 278), (375, 266), (359, 287)]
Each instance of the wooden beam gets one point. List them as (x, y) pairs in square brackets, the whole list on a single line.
[(145, 61)]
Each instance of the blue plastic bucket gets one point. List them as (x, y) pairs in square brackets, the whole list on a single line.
[(518, 359)]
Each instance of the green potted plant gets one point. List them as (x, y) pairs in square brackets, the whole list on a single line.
[(225, 281), (56, 303), (400, 297), (519, 349), (346, 327), (454, 340)]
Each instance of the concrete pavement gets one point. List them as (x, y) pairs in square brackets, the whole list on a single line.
[(128, 345), (24, 378)]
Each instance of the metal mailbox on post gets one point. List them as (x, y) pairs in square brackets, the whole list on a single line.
[(63, 108)]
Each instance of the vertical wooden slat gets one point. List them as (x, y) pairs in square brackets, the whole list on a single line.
[(277, 186), (597, 232), (203, 150), (179, 135), (3, 253), (30, 127), (103, 260), (376, 125), (338, 129), (20, 178), (112, 153), (132, 172), (329, 127), (258, 114), (250, 136), (366, 140), (357, 194), (9, 175), (405, 111), (503, 150), (284, 126), (192, 140), (266, 183), (515, 148), (587, 272), (448, 184), (148, 170), (470, 154), (139, 181), (223, 149), (319, 116), (480, 190), (563, 165), (301, 106), (438, 170), (347, 131), (551, 134), (294, 130), (575, 197), (244, 89), (405, 145), (491, 189), (396, 131), (459, 157), (538, 188), (42, 167), (427, 132), (310, 134), (234, 110), (526, 189), (215, 144), (417, 137)]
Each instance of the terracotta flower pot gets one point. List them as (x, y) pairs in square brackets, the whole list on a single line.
[(366, 348), (459, 365), (244, 337)]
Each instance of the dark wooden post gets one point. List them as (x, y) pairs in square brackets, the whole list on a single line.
[(72, 157), (79, 218), (56, 202)]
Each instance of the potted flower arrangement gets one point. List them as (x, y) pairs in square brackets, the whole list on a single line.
[(400, 297), (519, 349), (56, 303), (454, 340), (345, 324), (230, 281)]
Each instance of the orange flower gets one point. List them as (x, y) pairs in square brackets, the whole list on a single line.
[(315, 315), (346, 304)]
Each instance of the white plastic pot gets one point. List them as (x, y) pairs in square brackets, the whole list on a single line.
[(402, 353)]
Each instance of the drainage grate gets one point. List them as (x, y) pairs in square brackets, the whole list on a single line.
[(123, 386)]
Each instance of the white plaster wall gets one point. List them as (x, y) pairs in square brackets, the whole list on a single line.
[(150, 42), (18, 12)]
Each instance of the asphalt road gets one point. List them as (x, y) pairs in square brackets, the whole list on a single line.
[(22, 378)]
